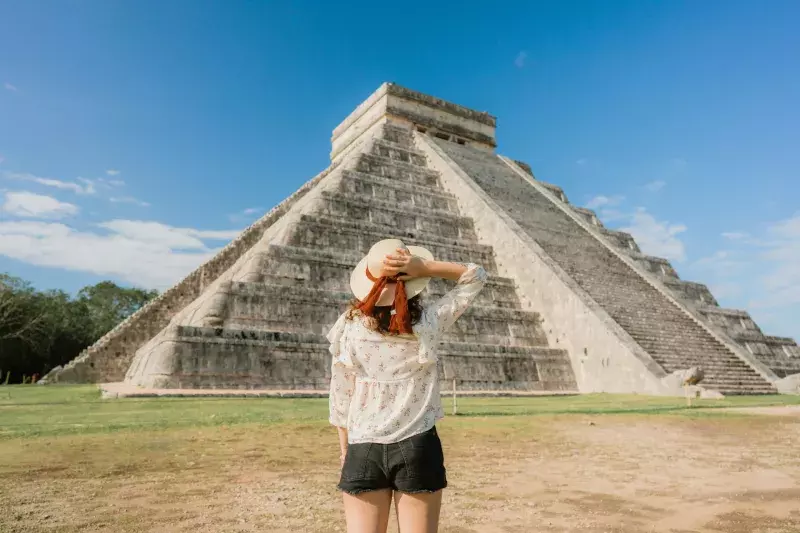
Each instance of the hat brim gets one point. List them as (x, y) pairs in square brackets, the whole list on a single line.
[(361, 285)]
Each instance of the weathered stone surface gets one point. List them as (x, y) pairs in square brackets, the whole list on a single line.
[(569, 305), (270, 322), (789, 384), (666, 332)]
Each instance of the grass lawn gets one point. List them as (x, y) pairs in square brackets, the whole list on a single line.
[(71, 462)]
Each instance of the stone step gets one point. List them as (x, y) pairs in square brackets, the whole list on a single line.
[(376, 165), (654, 321), (706, 363), (732, 367), (405, 147), (248, 359), (729, 383), (398, 153), (263, 307), (397, 135), (301, 267), (744, 392), (696, 293), (398, 193), (319, 231), (368, 209)]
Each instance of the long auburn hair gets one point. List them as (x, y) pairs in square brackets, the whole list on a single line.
[(381, 317)]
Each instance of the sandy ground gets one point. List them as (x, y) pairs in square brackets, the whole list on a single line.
[(623, 473), (782, 410)]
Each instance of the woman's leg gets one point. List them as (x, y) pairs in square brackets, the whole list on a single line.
[(418, 512), (367, 512)]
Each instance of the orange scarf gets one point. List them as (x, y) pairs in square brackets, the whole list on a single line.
[(400, 323)]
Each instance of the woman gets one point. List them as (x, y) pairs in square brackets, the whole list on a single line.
[(384, 396)]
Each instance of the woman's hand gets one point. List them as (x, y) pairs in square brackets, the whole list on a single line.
[(403, 262)]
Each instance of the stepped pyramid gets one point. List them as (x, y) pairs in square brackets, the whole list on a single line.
[(569, 305)]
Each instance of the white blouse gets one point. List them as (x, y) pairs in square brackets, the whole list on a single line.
[(385, 388)]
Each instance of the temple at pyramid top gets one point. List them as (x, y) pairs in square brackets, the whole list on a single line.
[(569, 305), (427, 114)]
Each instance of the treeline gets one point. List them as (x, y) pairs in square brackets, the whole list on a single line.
[(40, 330)]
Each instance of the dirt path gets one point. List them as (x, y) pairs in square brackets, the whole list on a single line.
[(783, 410), (624, 474)]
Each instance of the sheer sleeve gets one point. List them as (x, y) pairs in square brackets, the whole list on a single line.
[(342, 373), (443, 313)]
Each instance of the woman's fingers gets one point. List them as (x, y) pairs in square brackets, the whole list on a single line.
[(394, 263)]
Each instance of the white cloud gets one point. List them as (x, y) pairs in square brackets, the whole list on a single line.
[(146, 253), (582, 161), (109, 183), (656, 237), (604, 201), (84, 187), (725, 291), (245, 214), (678, 163), (760, 272), (32, 205), (10, 87), (128, 200), (655, 186), (113, 172), (521, 58), (735, 235)]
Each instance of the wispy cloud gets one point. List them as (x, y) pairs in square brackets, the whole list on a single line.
[(735, 235), (656, 237), (582, 162), (112, 172), (655, 186), (128, 200), (79, 186), (759, 271), (604, 201), (146, 253), (31, 205), (246, 214), (521, 59), (10, 87), (678, 163)]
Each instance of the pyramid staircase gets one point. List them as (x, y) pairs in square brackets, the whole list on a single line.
[(669, 334), (271, 335), (421, 169)]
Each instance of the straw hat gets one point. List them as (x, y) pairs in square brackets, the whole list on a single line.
[(372, 266)]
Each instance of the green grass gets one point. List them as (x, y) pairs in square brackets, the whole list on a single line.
[(32, 411)]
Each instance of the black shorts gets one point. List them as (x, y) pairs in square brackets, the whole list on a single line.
[(415, 464)]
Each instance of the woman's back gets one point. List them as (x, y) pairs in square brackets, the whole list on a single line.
[(385, 388)]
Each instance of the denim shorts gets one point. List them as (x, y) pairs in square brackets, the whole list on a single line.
[(413, 465)]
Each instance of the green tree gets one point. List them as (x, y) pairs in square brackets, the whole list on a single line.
[(42, 329), (108, 304)]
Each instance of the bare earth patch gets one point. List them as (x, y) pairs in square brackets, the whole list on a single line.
[(549, 473)]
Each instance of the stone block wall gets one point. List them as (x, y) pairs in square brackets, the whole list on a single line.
[(657, 323), (110, 357), (293, 284)]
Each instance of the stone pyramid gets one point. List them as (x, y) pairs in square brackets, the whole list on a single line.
[(569, 306)]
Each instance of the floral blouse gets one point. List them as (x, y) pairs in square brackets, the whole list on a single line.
[(386, 388)]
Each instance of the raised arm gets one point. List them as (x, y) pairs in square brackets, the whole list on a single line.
[(445, 311)]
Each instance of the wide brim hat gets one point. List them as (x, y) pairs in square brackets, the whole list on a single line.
[(361, 284)]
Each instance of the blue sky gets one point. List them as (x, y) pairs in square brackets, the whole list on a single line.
[(138, 137)]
